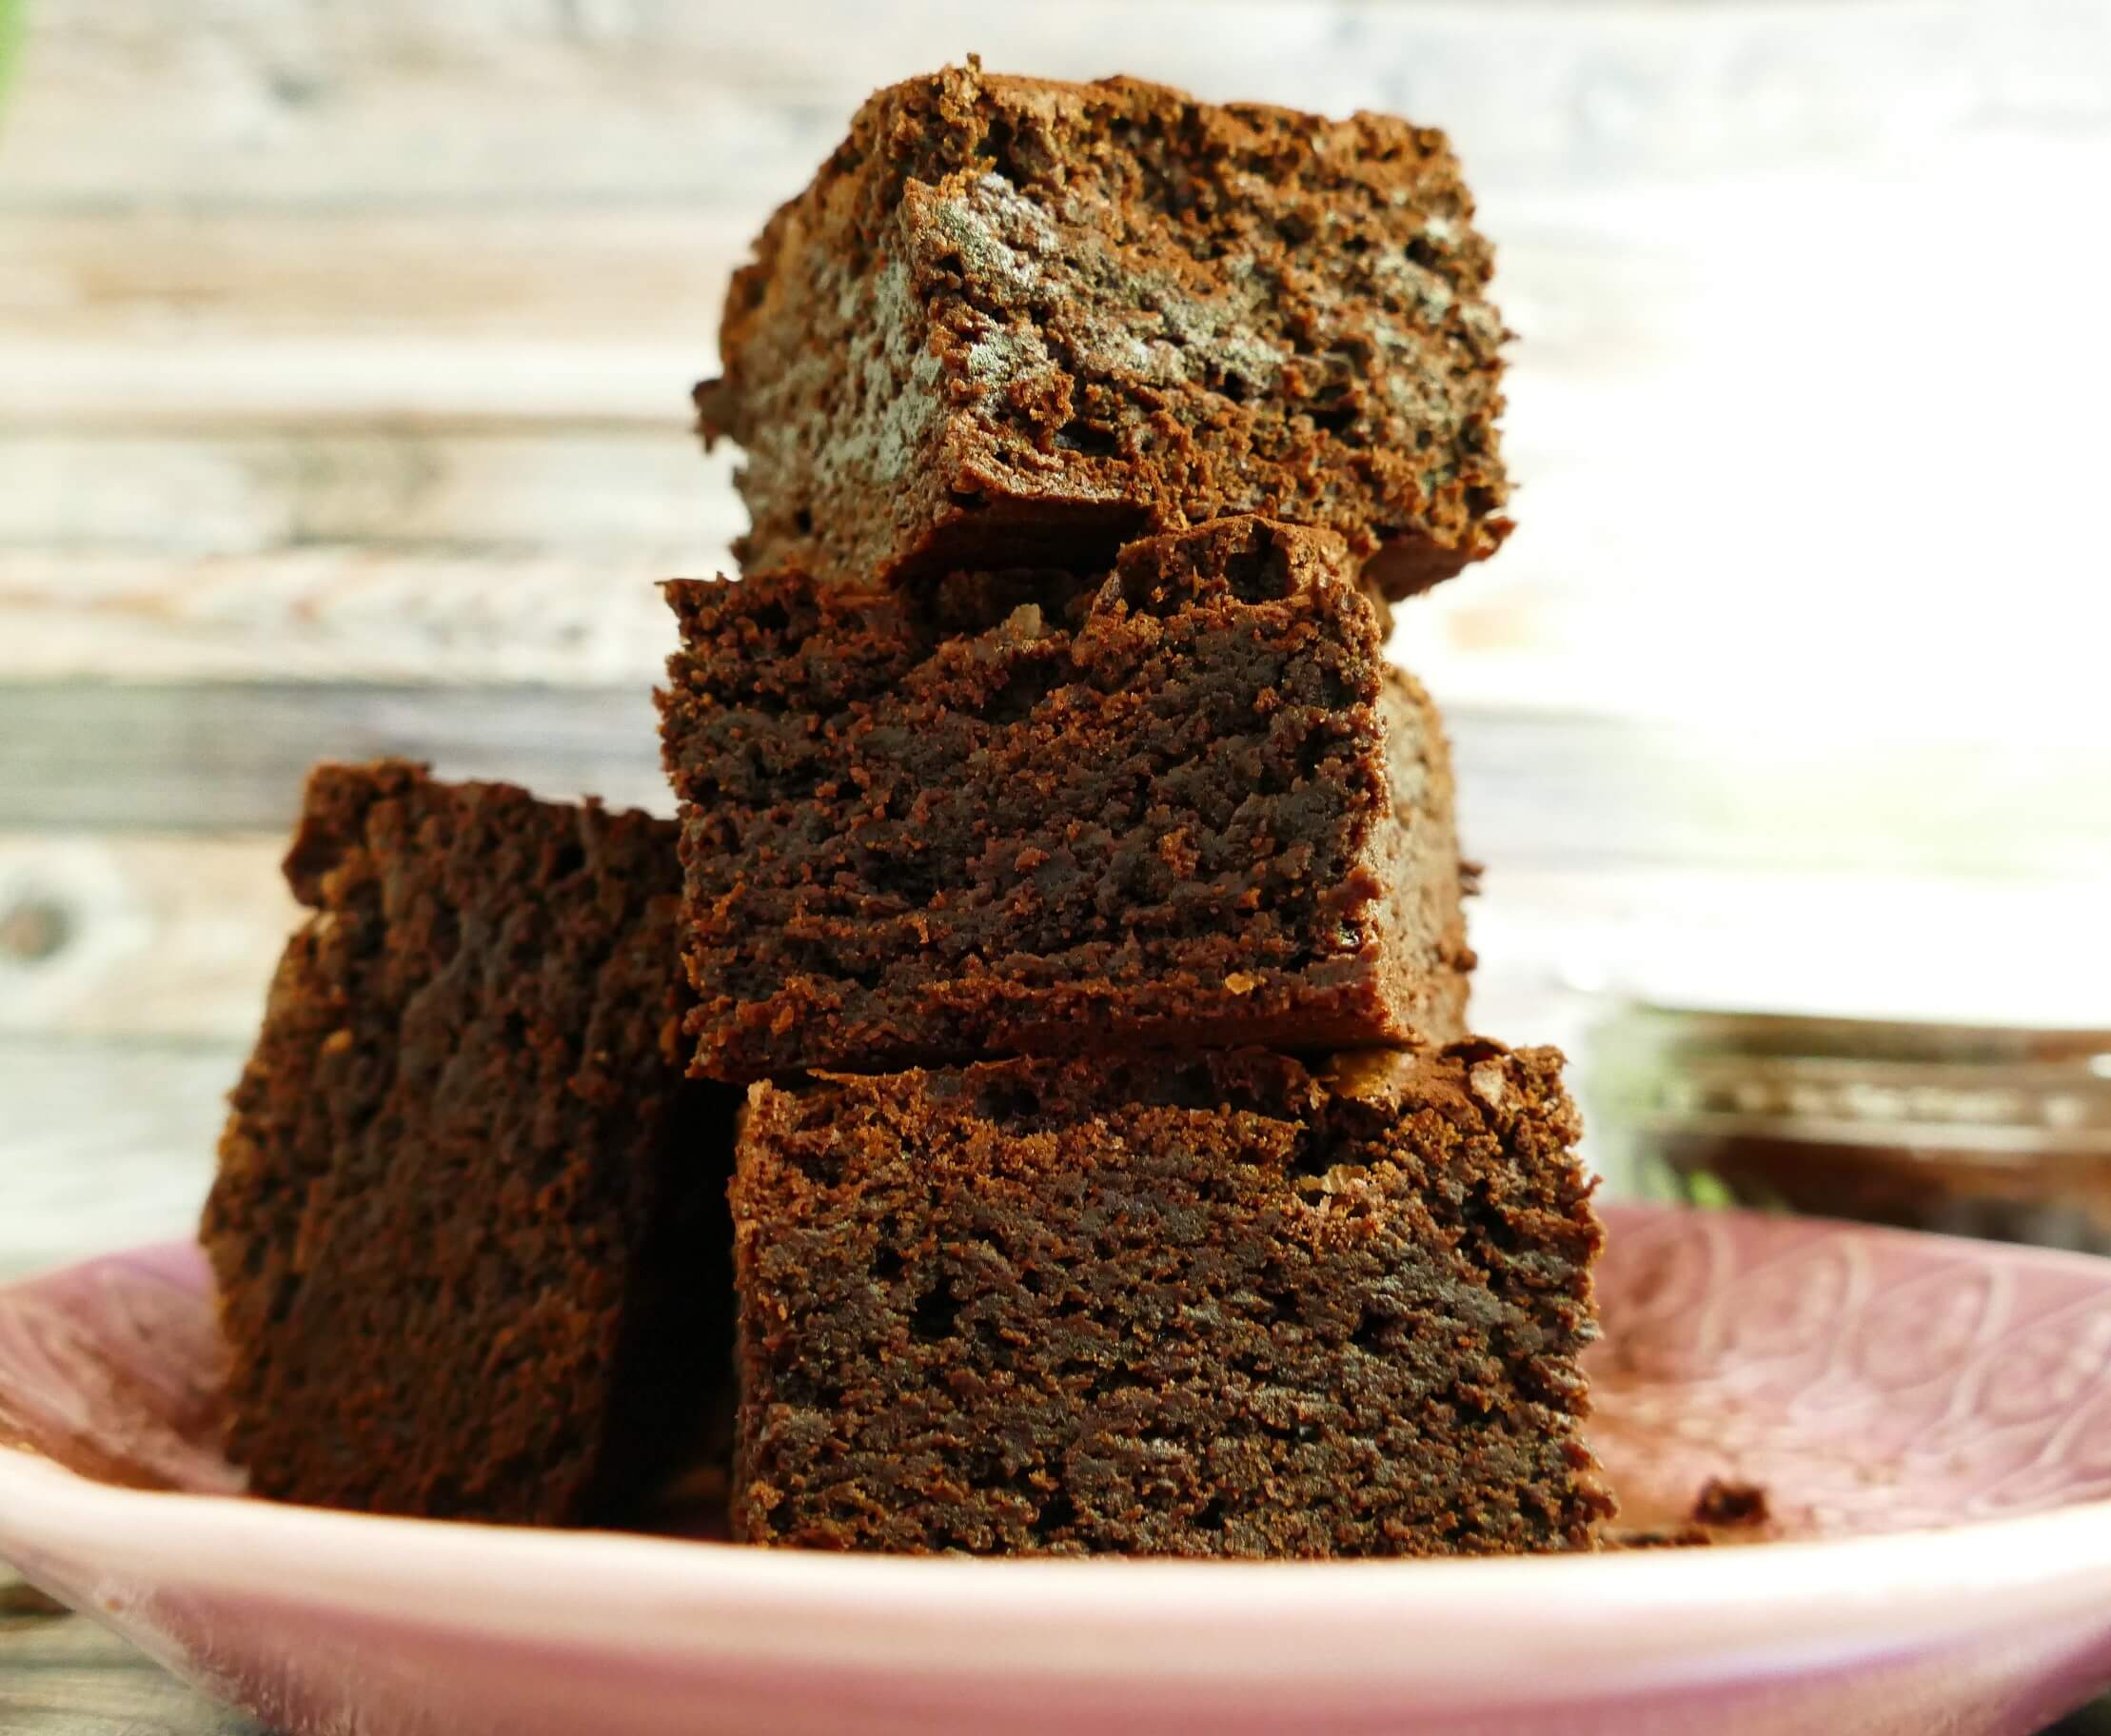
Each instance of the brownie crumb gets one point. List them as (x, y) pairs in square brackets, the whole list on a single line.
[(1662, 1537), (1728, 1503)]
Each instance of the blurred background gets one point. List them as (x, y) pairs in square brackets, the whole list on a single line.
[(344, 365)]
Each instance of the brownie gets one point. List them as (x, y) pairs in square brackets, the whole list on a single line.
[(469, 1226), (1731, 1504), (1214, 1305), (1185, 802), (1018, 320)]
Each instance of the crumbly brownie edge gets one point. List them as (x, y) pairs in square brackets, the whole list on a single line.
[(1379, 953), (1425, 960), (351, 1169), (1395, 448), (970, 1340)]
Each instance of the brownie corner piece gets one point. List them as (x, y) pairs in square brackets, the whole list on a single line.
[(1015, 318), (463, 1224), (1207, 1305), (1178, 801)]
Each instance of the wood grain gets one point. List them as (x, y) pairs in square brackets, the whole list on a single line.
[(1684, 548), (114, 321), (108, 1144), (207, 758), (68, 1677), (339, 613), (139, 937), (400, 103), (539, 273), (120, 936), (170, 317), (348, 266), (535, 489), (1539, 788)]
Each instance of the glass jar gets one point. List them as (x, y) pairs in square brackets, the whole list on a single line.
[(1993, 1131)]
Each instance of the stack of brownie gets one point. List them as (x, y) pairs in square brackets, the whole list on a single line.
[(1065, 875)]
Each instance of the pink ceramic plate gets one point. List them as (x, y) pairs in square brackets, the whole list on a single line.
[(1932, 1419)]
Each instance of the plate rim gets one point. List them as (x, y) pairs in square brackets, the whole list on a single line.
[(1596, 1621)]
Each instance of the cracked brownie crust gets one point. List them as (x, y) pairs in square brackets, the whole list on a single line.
[(1016, 322), (1185, 802), (468, 1224), (1213, 1305)]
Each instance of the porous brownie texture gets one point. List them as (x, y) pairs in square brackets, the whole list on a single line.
[(468, 1225), (1203, 1304), (1185, 802), (1015, 322)]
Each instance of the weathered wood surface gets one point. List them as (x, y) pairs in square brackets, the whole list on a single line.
[(489, 497), (120, 938), (65, 1676), (107, 1146), (1539, 789), (278, 311), (552, 100), (104, 934)]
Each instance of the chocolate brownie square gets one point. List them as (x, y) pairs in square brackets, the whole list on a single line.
[(1182, 801), (1016, 322), (1202, 1304), (469, 1226)]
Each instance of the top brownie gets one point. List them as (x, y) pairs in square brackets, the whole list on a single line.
[(1013, 321)]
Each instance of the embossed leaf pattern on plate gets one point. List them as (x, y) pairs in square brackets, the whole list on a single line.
[(1874, 1380)]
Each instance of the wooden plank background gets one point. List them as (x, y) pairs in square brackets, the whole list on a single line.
[(344, 354), (342, 367)]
